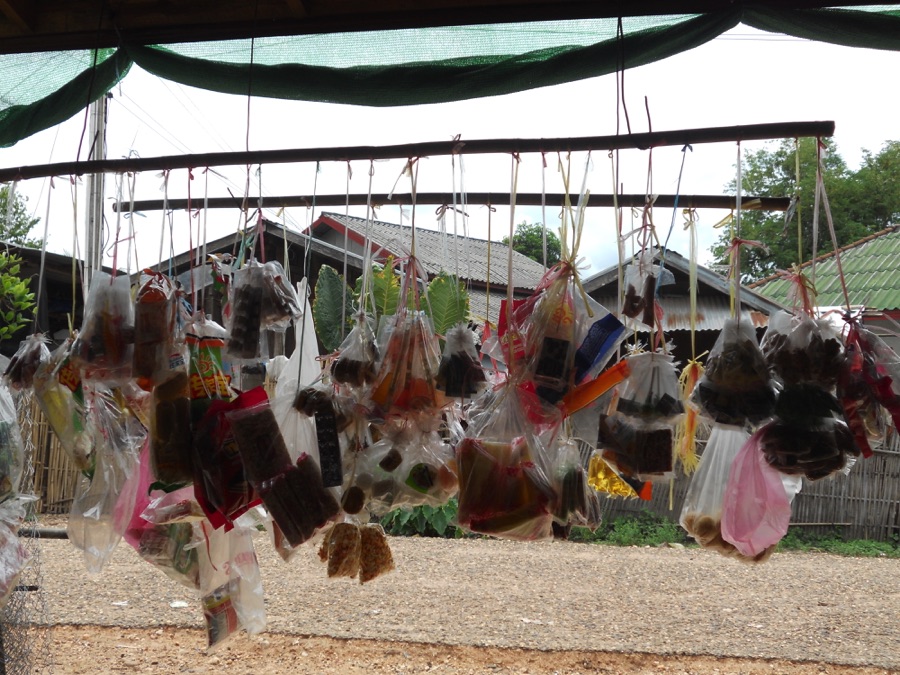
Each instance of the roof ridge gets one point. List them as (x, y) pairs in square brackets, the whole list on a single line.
[(830, 254)]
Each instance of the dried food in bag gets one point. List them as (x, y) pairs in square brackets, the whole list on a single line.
[(604, 477), (701, 514), (230, 585), (862, 412), (60, 393), (881, 368), (32, 352), (651, 389), (357, 359), (259, 440), (12, 449), (208, 373), (171, 436), (406, 376), (320, 405), (570, 484), (803, 350), (637, 447), (736, 387), (155, 314), (245, 321), (552, 339), (642, 279), (460, 374), (104, 347), (280, 303), (811, 452), (756, 508), (375, 556), (343, 544)]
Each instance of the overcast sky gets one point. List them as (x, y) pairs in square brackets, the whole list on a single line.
[(744, 77)]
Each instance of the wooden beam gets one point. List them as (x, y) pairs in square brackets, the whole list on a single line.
[(748, 203), (644, 141), (20, 12)]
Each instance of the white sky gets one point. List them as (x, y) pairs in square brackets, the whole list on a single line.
[(744, 77)]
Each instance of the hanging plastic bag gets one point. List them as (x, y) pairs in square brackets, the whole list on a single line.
[(14, 557), (32, 352), (576, 501), (803, 350), (756, 508), (701, 514), (319, 404), (409, 365), (230, 584), (103, 349), (208, 374), (642, 278), (12, 449), (736, 387), (244, 323), (864, 415), (504, 488), (597, 333), (460, 374), (171, 434), (651, 389), (59, 391), (103, 505), (352, 550), (880, 368), (357, 359), (155, 314), (281, 304)]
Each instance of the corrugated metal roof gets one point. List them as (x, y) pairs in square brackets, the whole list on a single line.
[(871, 271), (712, 311), (437, 251)]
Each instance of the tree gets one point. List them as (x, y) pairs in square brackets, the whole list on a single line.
[(528, 239), (861, 202), (15, 223)]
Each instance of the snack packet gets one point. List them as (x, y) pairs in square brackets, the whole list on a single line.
[(155, 315), (104, 347), (19, 374), (460, 374)]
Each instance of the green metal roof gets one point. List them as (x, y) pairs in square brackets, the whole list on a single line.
[(871, 270)]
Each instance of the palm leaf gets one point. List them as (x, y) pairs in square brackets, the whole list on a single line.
[(448, 302), (328, 307)]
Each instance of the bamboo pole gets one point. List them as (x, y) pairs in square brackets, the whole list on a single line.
[(644, 141)]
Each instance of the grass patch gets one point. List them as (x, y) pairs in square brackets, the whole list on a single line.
[(644, 529), (799, 539)]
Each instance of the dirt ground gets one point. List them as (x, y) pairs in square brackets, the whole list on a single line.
[(487, 606)]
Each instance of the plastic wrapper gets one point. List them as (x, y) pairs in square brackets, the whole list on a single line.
[(14, 557), (701, 514), (642, 278), (245, 321), (351, 550), (356, 364), (104, 347), (736, 387), (207, 372), (104, 502), (603, 477), (171, 435), (155, 314), (756, 508), (319, 404), (862, 412), (802, 350), (637, 447), (12, 449), (259, 441), (405, 469), (230, 585), (651, 389), (880, 368), (409, 365), (575, 500), (19, 374), (504, 487), (597, 333), (811, 452), (460, 374), (59, 391), (552, 340)]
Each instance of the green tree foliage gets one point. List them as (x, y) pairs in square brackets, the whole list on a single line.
[(528, 239), (15, 223), (16, 300), (861, 202)]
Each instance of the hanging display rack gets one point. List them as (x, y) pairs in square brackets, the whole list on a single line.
[(642, 141), (492, 198)]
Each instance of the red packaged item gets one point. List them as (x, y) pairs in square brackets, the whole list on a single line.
[(104, 346), (155, 312)]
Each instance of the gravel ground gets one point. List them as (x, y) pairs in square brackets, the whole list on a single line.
[(647, 609)]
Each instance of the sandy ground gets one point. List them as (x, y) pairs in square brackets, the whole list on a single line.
[(488, 606)]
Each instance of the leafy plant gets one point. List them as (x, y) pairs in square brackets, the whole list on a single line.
[(643, 529), (425, 521), (448, 302), (16, 301), (331, 302)]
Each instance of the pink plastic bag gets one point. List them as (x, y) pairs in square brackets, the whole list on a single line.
[(756, 509)]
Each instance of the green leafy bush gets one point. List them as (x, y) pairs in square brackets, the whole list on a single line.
[(16, 301), (425, 521)]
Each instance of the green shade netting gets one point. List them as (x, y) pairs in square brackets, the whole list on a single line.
[(406, 67)]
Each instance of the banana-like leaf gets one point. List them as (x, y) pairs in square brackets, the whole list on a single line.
[(327, 308), (448, 302), (385, 291)]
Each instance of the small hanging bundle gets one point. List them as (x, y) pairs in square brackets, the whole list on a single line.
[(103, 348), (460, 374), (32, 352), (12, 450), (357, 357), (643, 278), (155, 320)]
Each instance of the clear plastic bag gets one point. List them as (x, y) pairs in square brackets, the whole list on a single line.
[(281, 304), (410, 360), (865, 417), (14, 557), (597, 333), (171, 432), (319, 404), (230, 584), (155, 315), (642, 278), (103, 505), (352, 550), (208, 374), (651, 390), (12, 449), (736, 387), (803, 350), (103, 349), (880, 368), (32, 352), (504, 487), (460, 374), (59, 391), (356, 364), (756, 508), (639, 448), (701, 514), (244, 324)]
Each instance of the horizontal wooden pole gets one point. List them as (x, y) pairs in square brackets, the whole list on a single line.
[(644, 141), (472, 199)]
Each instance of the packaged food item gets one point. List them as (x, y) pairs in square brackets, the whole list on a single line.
[(880, 367), (12, 449), (104, 347), (460, 374), (319, 404), (865, 417), (597, 333), (736, 387), (552, 339), (642, 278), (375, 556), (19, 374), (171, 431), (800, 349), (504, 486), (245, 320), (155, 314), (344, 547), (280, 303), (357, 359), (59, 391), (651, 389), (604, 477), (14, 557), (636, 447), (208, 374)]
